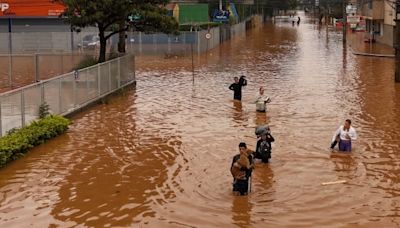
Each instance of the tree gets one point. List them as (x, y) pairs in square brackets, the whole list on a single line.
[(149, 17), (106, 13)]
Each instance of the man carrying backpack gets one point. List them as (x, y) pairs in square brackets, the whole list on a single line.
[(263, 147)]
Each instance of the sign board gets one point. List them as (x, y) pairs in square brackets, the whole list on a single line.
[(135, 17), (350, 9), (31, 8), (221, 16), (353, 19), (316, 2), (208, 36), (4, 7)]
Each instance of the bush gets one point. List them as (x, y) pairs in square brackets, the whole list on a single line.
[(44, 110), (17, 143), (87, 61)]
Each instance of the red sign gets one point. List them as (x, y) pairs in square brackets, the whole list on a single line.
[(31, 8)]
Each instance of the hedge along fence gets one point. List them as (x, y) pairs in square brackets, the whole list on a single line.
[(20, 141)]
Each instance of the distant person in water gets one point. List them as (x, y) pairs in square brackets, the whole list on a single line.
[(298, 20), (344, 136), (237, 87)]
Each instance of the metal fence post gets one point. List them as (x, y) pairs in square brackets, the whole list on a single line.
[(140, 43), (109, 75), (198, 42), (10, 66), (74, 89), (134, 67), (87, 85), (169, 44), (62, 63), (22, 108), (36, 63), (98, 80), (119, 73), (154, 43), (42, 100), (59, 96)]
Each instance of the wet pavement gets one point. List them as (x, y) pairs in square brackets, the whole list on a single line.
[(159, 154)]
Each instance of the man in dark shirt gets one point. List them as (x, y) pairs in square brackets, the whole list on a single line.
[(237, 87), (242, 185)]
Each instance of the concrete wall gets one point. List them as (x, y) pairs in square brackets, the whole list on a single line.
[(387, 37), (40, 35), (35, 25), (390, 14)]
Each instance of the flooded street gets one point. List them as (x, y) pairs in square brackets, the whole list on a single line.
[(159, 155)]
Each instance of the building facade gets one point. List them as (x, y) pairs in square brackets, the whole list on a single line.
[(379, 18)]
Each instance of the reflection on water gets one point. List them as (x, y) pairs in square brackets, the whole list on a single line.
[(159, 155), (241, 211)]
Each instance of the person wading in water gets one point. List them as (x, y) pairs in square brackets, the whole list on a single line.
[(261, 100), (241, 169), (264, 147), (237, 87), (344, 135)]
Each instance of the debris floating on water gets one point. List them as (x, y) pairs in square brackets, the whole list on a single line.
[(334, 182)]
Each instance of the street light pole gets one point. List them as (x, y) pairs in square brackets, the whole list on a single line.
[(397, 42), (344, 22), (10, 58)]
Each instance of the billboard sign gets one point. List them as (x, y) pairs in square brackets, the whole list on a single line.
[(31, 8)]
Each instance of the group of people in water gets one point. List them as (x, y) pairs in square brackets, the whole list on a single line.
[(293, 20), (243, 163)]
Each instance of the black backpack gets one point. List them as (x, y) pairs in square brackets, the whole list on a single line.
[(265, 150)]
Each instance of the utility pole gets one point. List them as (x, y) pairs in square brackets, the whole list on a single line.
[(326, 13), (397, 42), (344, 22)]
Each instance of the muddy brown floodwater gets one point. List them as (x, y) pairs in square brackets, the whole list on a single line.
[(159, 155)]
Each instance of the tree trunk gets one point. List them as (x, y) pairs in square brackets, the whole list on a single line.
[(103, 44), (121, 41)]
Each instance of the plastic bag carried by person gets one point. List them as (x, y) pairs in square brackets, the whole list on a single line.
[(262, 129)]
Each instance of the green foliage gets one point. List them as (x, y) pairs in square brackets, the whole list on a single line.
[(20, 141), (87, 61), (153, 18), (104, 14), (44, 110)]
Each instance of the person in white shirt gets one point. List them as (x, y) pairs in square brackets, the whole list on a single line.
[(261, 100), (345, 135)]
